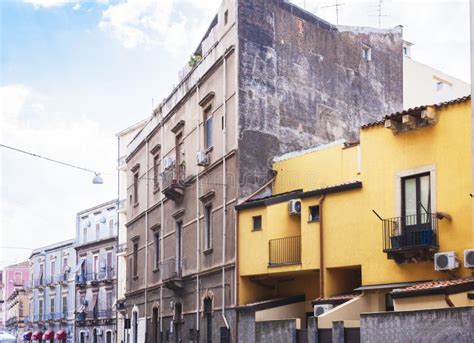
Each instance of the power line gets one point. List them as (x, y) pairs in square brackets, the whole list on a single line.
[(48, 159)]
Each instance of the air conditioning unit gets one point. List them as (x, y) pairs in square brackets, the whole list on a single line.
[(446, 261), (469, 258), (294, 207), (168, 162), (202, 159), (320, 309)]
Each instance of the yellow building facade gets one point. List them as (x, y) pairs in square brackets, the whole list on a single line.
[(363, 218)]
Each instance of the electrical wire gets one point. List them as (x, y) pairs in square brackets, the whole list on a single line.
[(48, 159)]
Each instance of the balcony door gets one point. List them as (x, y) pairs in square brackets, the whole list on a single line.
[(416, 207), (179, 247)]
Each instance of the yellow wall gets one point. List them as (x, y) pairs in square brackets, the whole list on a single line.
[(431, 301), (352, 233)]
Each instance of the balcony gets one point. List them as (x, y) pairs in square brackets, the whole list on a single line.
[(38, 317), (51, 281), (171, 273), (173, 182), (106, 314), (107, 276), (284, 251), (51, 316), (61, 316), (412, 238), (40, 283), (81, 280), (62, 278)]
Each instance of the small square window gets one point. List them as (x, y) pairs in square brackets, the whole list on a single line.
[(257, 223), (314, 213), (367, 53)]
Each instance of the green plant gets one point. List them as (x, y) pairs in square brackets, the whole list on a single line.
[(194, 60)]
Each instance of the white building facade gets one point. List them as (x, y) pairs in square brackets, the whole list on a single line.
[(52, 290), (123, 139), (96, 274), (423, 84)]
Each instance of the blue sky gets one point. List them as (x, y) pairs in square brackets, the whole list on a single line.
[(73, 73)]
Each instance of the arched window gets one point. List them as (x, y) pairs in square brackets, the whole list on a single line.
[(155, 324), (208, 316), (178, 311), (135, 327)]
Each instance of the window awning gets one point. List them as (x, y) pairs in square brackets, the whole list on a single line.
[(48, 335), (61, 334), (37, 335), (26, 336), (79, 265)]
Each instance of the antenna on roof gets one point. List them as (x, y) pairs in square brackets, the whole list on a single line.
[(336, 5), (379, 12)]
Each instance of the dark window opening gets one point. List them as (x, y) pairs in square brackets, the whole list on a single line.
[(314, 213), (257, 223), (156, 172), (208, 227), (135, 188), (135, 259), (156, 243), (208, 315), (226, 17), (208, 118)]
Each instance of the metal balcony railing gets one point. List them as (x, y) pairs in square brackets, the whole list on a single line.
[(284, 251), (171, 268), (81, 279), (51, 316), (105, 314), (39, 282), (410, 232), (107, 274), (173, 177), (38, 317)]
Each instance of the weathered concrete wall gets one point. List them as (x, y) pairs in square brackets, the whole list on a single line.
[(276, 331), (303, 82), (440, 325)]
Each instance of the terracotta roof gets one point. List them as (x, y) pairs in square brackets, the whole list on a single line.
[(336, 299), (435, 287), (415, 110), (271, 303)]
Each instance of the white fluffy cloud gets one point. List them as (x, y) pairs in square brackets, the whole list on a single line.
[(161, 23), (40, 196), (59, 3)]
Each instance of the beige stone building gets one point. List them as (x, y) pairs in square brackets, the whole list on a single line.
[(267, 78)]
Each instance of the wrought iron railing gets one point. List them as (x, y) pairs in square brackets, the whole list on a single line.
[(40, 282), (81, 279), (107, 274), (51, 316), (38, 317), (105, 314), (410, 232), (284, 251), (173, 177), (171, 268)]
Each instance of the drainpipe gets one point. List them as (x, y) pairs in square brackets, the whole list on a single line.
[(162, 228), (224, 183), (146, 242), (321, 249), (198, 228), (117, 223)]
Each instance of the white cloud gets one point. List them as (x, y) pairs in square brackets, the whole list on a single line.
[(161, 23), (59, 3), (48, 3), (39, 196)]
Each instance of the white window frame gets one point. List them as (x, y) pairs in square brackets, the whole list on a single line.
[(431, 169)]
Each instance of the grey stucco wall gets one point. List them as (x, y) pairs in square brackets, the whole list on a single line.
[(439, 325), (303, 82), (276, 331)]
